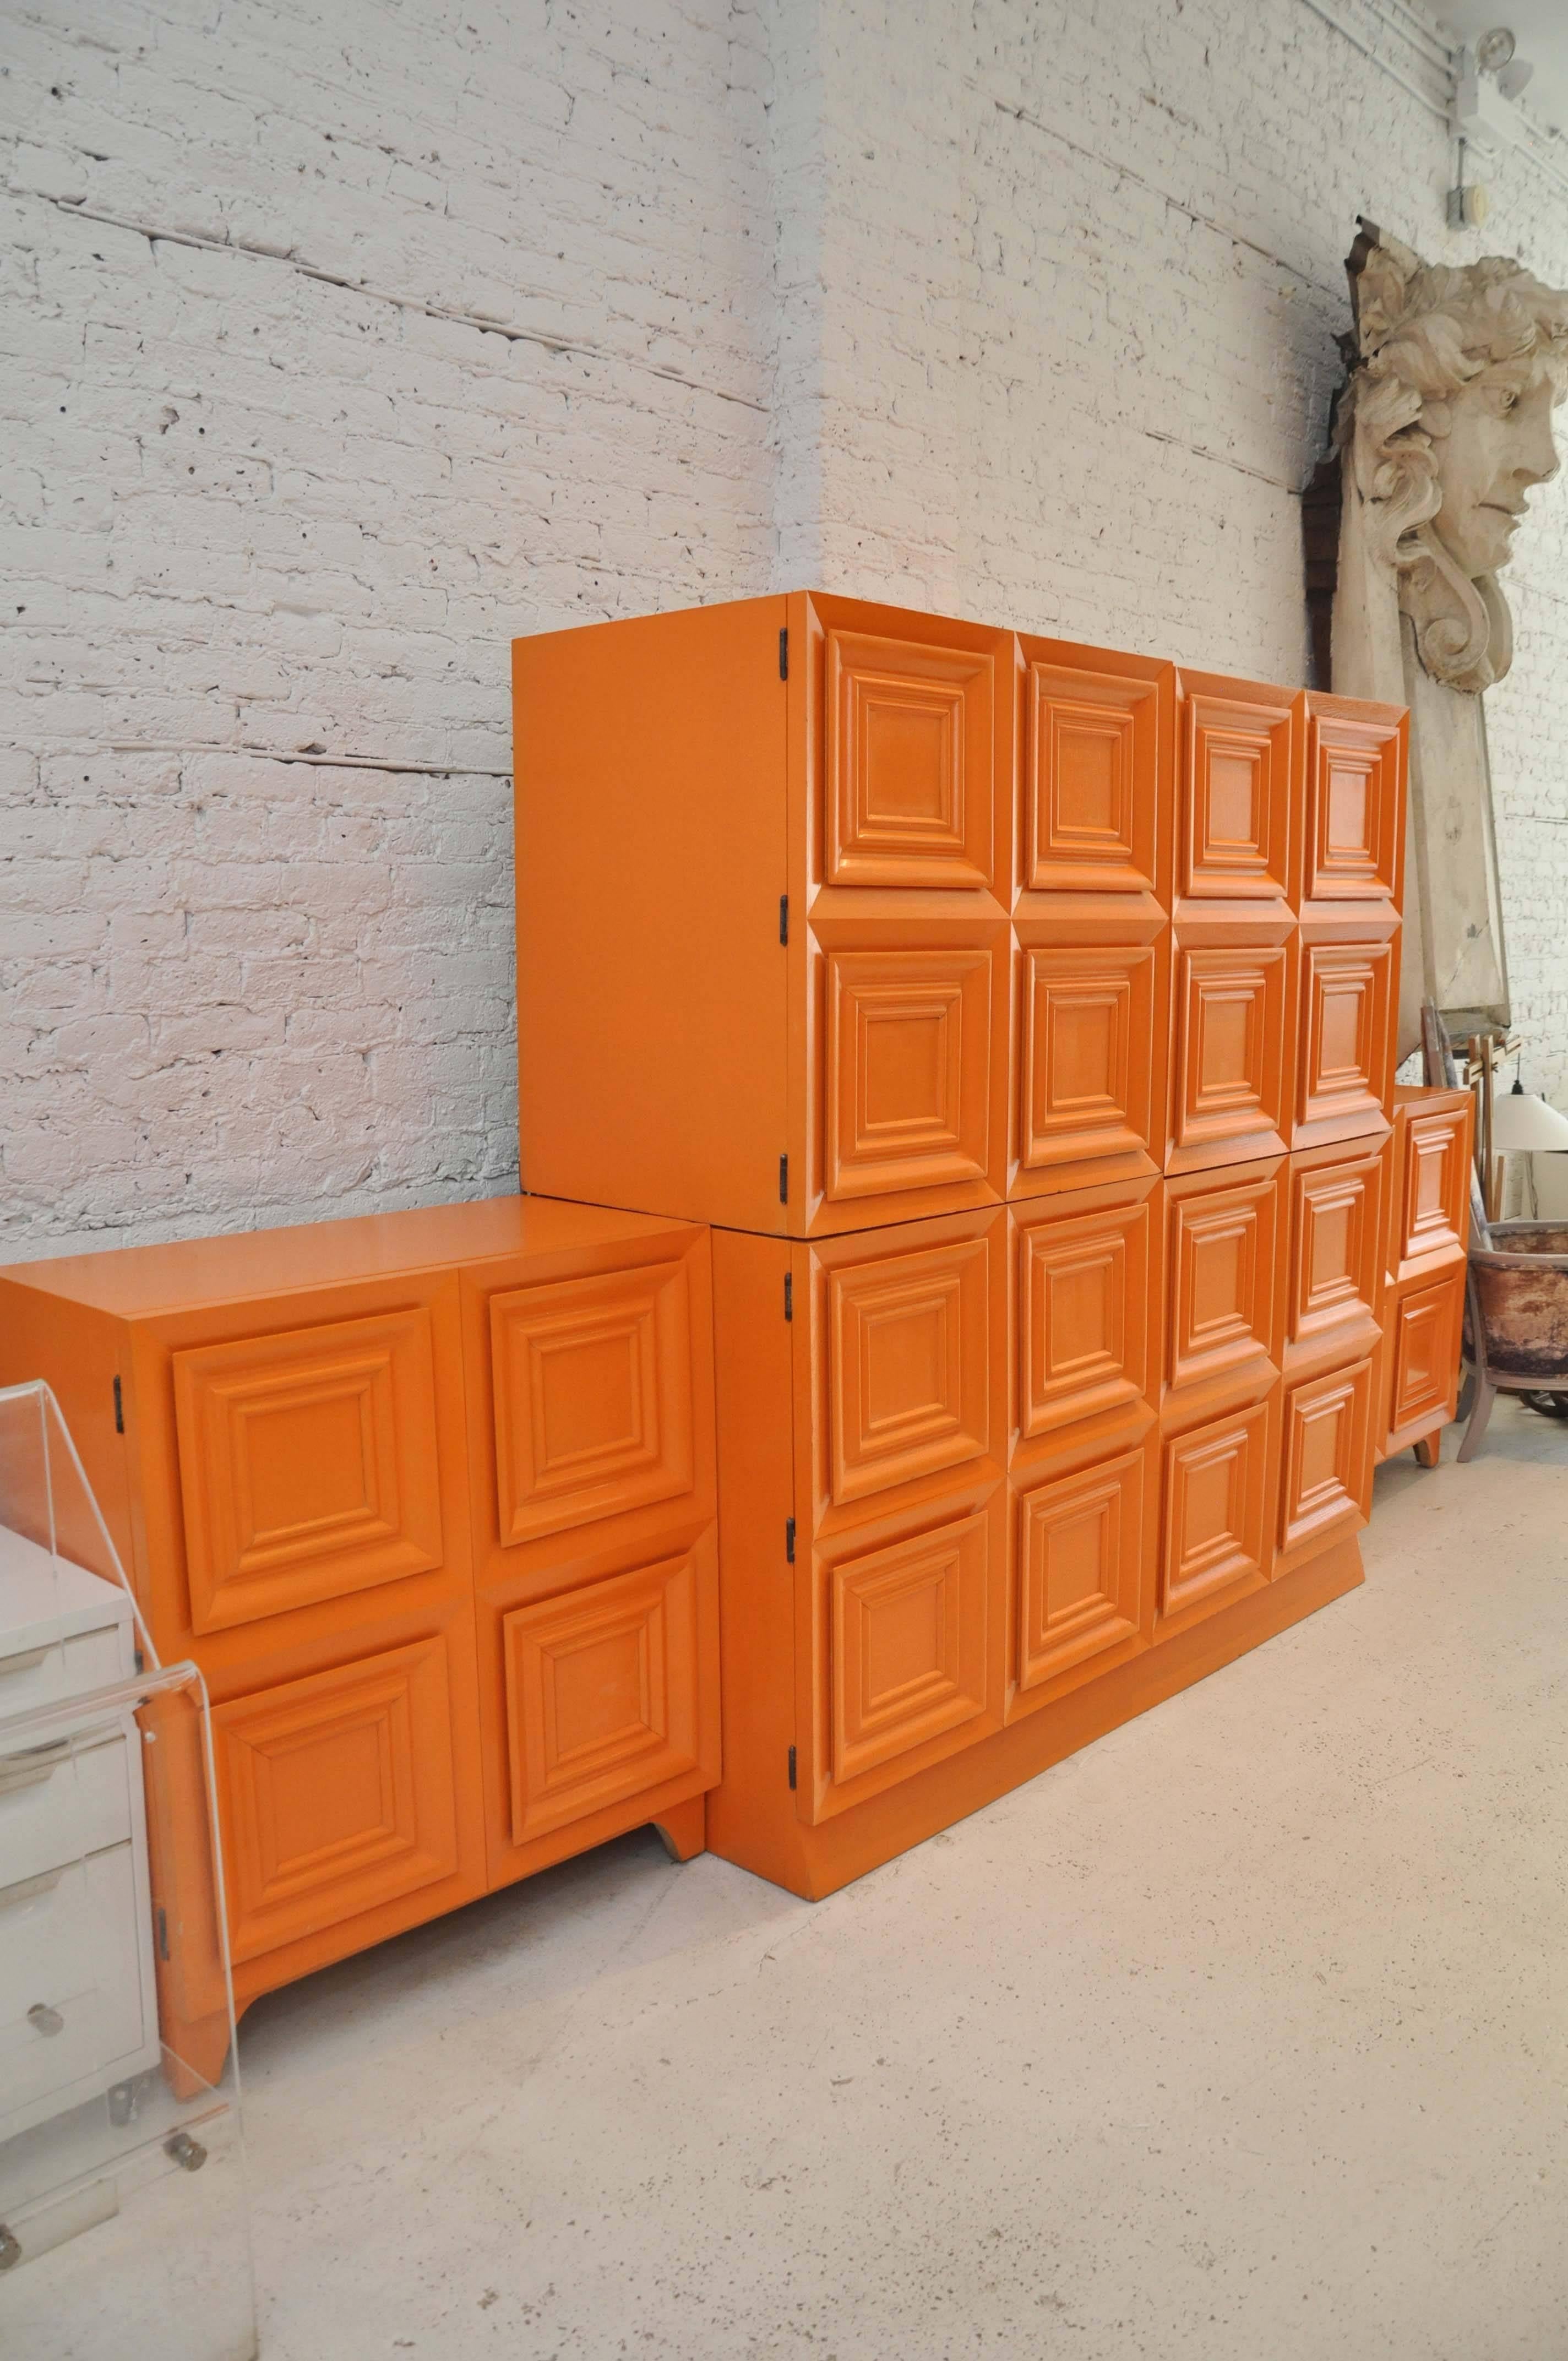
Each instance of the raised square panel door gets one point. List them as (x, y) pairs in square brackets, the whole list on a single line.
[(1326, 1466), (336, 1795), (1221, 1247), (1425, 1359), (908, 1630), (1086, 1284), (910, 762), (1228, 1074), (1092, 784), (308, 1465), (908, 1366), (1235, 804), (1436, 1185), (908, 1077), (1336, 1247), (610, 1690), (1353, 765), (1087, 1086), (1083, 1555), (1219, 1483), (593, 1402), (1346, 1040)]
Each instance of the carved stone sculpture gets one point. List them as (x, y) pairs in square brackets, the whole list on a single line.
[(1444, 425)]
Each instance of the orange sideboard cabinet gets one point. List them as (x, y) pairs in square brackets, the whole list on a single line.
[(1021, 1014), (430, 1499), (1423, 1309)]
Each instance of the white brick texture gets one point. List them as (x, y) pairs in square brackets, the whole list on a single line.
[(343, 342)]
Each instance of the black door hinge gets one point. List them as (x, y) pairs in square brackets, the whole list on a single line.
[(142, 1662), (789, 1541), (784, 1180), (162, 1933), (784, 917), (792, 1766), (119, 1410), (784, 654), (789, 1295)]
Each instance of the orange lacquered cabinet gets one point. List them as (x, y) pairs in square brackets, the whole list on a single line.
[(1020, 1014), (430, 1499), (1422, 1320)]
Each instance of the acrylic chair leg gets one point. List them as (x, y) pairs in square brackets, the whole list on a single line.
[(1486, 1396), (1429, 1450), (684, 1827), (194, 2052)]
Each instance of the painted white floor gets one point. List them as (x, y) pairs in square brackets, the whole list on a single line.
[(1240, 2037)]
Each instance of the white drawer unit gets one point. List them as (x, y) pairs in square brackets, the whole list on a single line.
[(78, 2000)]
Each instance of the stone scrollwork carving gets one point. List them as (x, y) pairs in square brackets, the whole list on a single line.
[(1444, 426)]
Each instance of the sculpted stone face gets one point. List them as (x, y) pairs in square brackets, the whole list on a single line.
[(1499, 443)]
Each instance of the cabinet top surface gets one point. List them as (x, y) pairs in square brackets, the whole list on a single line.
[(131, 1282)]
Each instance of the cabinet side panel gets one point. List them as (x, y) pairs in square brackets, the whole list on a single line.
[(651, 861), (79, 1353), (752, 1814)]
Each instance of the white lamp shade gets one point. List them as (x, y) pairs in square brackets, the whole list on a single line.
[(1520, 1122)]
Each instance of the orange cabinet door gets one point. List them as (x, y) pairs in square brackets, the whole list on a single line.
[(1325, 1473), (1241, 755), (1423, 1359), (1345, 1066), (906, 1069), (1219, 1482), (909, 1650), (1352, 841), (1224, 1235), (1083, 1591), (1434, 1205), (1097, 772), (613, 1692), (910, 734), (1334, 1272), (1230, 1052), (308, 1465), (1088, 1318), (1090, 1066), (337, 1796)]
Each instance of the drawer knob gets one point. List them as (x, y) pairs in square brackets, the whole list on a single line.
[(188, 2153), (10, 2249), (44, 2019)]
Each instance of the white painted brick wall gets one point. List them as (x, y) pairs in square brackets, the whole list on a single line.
[(1017, 309)]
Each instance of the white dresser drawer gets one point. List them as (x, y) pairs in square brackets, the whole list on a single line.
[(71, 1954), (36, 1675), (60, 1801)]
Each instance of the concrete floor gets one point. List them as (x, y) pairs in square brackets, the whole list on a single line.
[(1239, 2037)]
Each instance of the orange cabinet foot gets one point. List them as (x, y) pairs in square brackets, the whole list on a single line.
[(1429, 1450), (684, 1827), (194, 2052)]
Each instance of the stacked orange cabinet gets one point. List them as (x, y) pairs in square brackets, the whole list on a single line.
[(429, 1496), (1021, 1015), (1423, 1309)]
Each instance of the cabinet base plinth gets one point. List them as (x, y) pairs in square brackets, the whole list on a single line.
[(815, 1861)]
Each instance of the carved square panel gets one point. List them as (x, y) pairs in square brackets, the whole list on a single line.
[(1354, 802), (336, 1793), (308, 1465), (1336, 1245), (1326, 1466), (1436, 1184), (1081, 1567), (1083, 1290), (1235, 816), (1424, 1352), (603, 1692), (1346, 1042), (908, 1625), (910, 755), (1218, 1480), (1221, 1245), (593, 1404), (1228, 1074), (1086, 1089), (1091, 789), (909, 1366), (908, 1070)]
